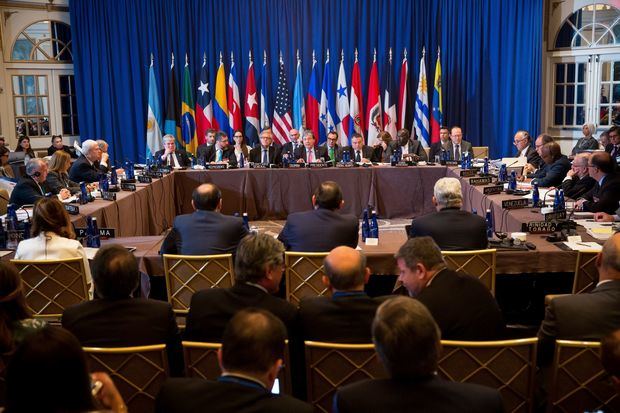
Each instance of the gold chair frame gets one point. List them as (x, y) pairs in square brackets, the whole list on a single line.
[(586, 273), (303, 274), (469, 262)]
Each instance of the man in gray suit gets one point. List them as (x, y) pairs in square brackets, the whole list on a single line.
[(585, 316), (457, 146)]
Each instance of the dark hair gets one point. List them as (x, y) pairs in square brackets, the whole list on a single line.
[(56, 136), (610, 353), (603, 161), (54, 357), (357, 135), (423, 250), (553, 149), (614, 128), (19, 148), (13, 306), (384, 136), (406, 338), (346, 277), (49, 214), (545, 138), (115, 272), (207, 198), (328, 195), (332, 132), (253, 341), (4, 150), (220, 134), (255, 254)]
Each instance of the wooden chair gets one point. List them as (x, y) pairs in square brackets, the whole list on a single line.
[(4, 201), (303, 274), (578, 381), (201, 362), (332, 365), (186, 274), (507, 365), (137, 372), (479, 263), (50, 286), (479, 152), (586, 275)]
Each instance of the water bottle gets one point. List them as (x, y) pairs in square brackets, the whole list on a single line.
[(241, 160), (485, 168), (562, 205), (512, 183), (474, 211), (469, 160), (11, 227), (556, 201), (246, 221), (365, 226), (114, 177), (464, 160), (83, 193), (374, 225), (489, 219), (502, 175), (96, 239), (535, 196), (129, 171), (444, 155), (103, 183), (286, 160), (3, 236), (89, 232)]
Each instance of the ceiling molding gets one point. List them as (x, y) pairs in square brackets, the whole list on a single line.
[(28, 5)]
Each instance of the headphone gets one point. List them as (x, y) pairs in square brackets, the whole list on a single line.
[(36, 174)]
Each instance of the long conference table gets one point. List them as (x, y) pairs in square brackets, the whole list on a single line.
[(268, 195)]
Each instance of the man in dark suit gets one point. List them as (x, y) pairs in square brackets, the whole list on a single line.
[(523, 142), (346, 316), (258, 270), (209, 141), (457, 146), (438, 147), (32, 187), (450, 227), (334, 152), (605, 195), (540, 141), (554, 168), (266, 153), (322, 228), (309, 152), (87, 167), (411, 148), (206, 230), (577, 181), (610, 357), (170, 155), (613, 148), (587, 316), (359, 152), (251, 356), (57, 145), (407, 341), (295, 142), (115, 319), (219, 152), (462, 306)]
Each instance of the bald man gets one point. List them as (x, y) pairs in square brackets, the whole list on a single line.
[(347, 315)]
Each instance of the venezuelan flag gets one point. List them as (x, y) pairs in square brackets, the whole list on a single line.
[(220, 107), (188, 120)]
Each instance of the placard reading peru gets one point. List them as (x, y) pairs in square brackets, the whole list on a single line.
[(515, 203), (492, 190), (485, 180)]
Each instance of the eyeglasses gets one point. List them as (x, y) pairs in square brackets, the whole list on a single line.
[(238, 136)]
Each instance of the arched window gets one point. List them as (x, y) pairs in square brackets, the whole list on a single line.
[(595, 25), (47, 40)]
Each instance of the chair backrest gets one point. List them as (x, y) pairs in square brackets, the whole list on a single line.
[(333, 365), (578, 381), (137, 372), (586, 273), (186, 274), (4, 201), (479, 263), (201, 362), (507, 365), (480, 151), (50, 286), (304, 272)]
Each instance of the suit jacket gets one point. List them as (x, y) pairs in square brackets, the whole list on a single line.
[(384, 155), (27, 192), (209, 155), (533, 158), (126, 322), (204, 233), (415, 147), (337, 152), (463, 307), (416, 395), (83, 171), (288, 148), (367, 152), (579, 317), (452, 229), (56, 181), (435, 150), (241, 396), (576, 187), (181, 155), (610, 148), (551, 175), (604, 198), (275, 157), (343, 318), (319, 230), (319, 152), (210, 310), (465, 147)]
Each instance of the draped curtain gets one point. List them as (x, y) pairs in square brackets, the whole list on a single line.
[(490, 55)]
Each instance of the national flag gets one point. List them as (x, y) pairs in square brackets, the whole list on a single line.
[(220, 107), (327, 123), (204, 107), (282, 121), (312, 103), (342, 108), (374, 105), (264, 96), (299, 108), (437, 113), (153, 120), (251, 107), (420, 116), (234, 108), (356, 108), (188, 122), (172, 123), (389, 101), (403, 94)]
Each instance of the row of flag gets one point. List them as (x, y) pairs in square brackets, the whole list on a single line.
[(322, 110)]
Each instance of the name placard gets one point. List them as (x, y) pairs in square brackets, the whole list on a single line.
[(164, 170), (555, 216), (72, 209), (108, 196), (104, 233), (144, 179), (467, 172), (216, 166), (294, 165), (450, 163), (515, 203), (492, 190), (128, 187), (345, 165), (316, 165), (154, 174), (485, 180), (539, 227), (257, 165)]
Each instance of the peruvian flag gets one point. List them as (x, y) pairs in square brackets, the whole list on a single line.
[(234, 111), (312, 103), (355, 108), (204, 107), (251, 107), (374, 114), (403, 94)]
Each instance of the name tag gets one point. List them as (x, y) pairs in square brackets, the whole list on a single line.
[(539, 227), (128, 187), (345, 165), (104, 233), (316, 165), (72, 209), (467, 172), (480, 181), (143, 179), (515, 203), (492, 190), (108, 196), (450, 163), (294, 165), (402, 164), (259, 166), (555, 216), (216, 166)]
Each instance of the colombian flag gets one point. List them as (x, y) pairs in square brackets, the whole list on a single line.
[(220, 107), (188, 121)]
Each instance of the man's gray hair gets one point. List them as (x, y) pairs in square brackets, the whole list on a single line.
[(168, 137), (581, 159), (102, 144), (34, 165), (308, 132), (88, 145), (447, 192)]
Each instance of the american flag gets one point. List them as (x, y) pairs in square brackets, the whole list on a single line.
[(282, 122)]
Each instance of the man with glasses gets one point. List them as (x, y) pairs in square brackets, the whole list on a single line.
[(577, 181), (540, 141), (457, 146), (266, 153), (605, 195), (220, 152), (523, 142), (334, 152)]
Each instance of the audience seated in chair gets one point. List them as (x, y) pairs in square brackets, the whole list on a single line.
[(250, 358), (460, 303), (115, 319), (407, 340), (610, 357)]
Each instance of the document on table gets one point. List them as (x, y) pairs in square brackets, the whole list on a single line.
[(584, 246)]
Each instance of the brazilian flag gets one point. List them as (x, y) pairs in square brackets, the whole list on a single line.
[(188, 120)]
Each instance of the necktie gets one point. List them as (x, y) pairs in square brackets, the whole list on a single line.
[(358, 157), (218, 155), (265, 157), (616, 151), (310, 155), (169, 159), (457, 153), (332, 156)]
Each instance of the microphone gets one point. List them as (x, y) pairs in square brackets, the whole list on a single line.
[(543, 202)]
